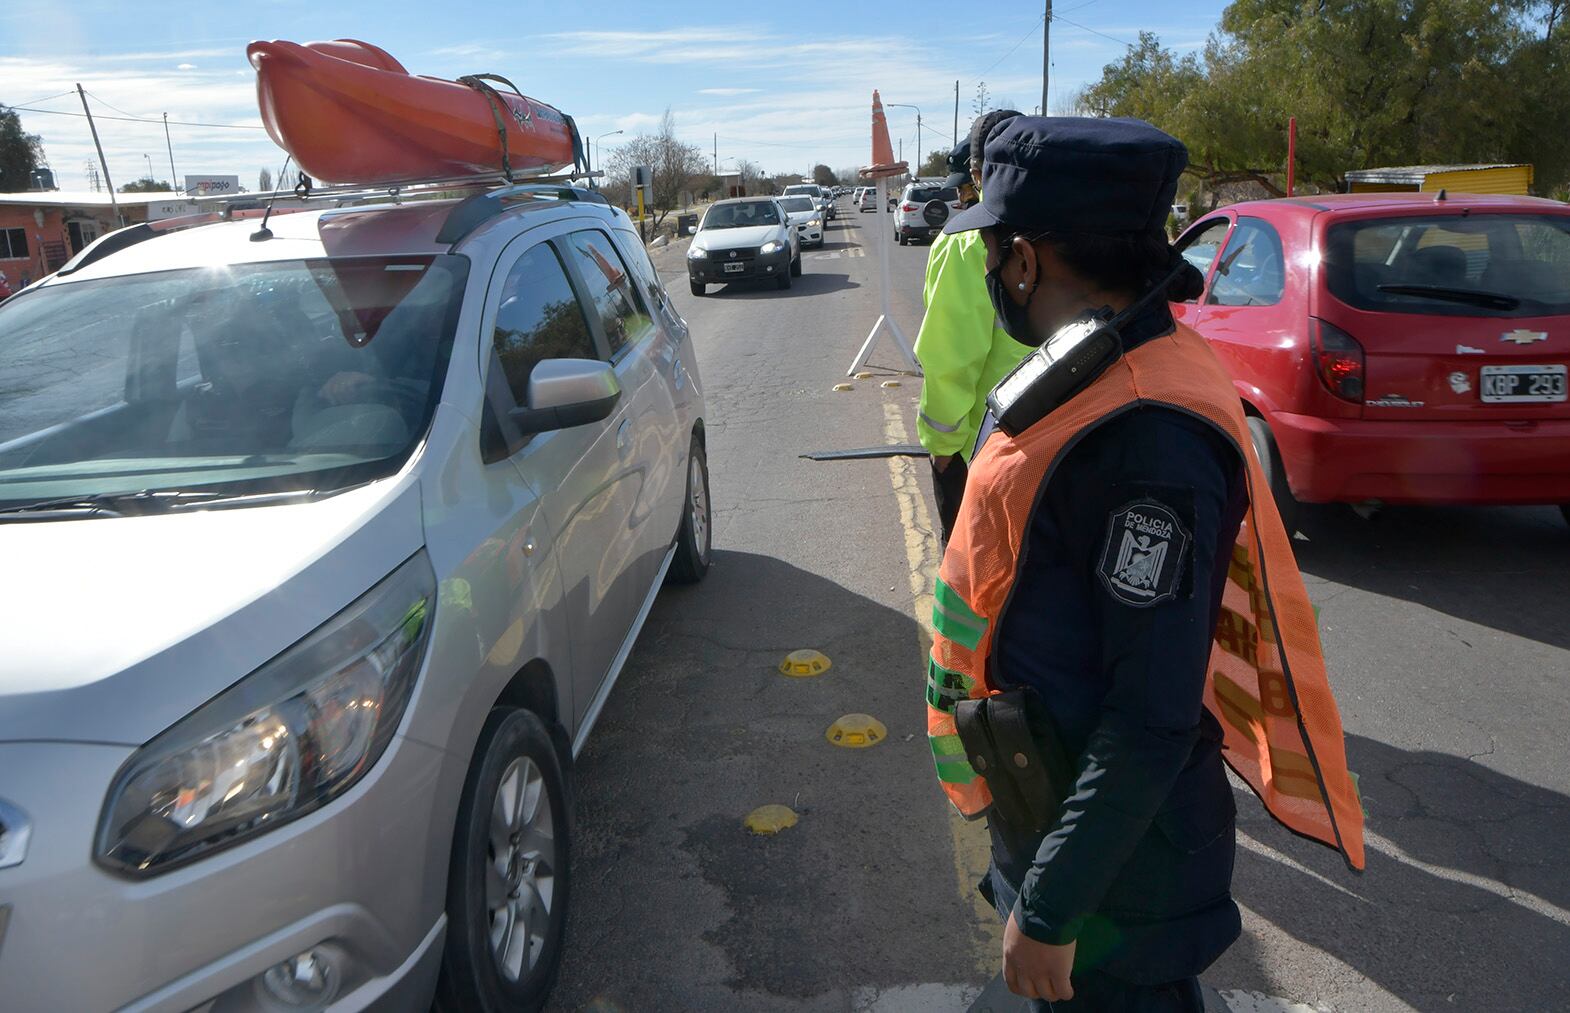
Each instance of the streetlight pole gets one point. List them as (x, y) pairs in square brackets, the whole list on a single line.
[(906, 105), (1046, 50), (609, 133)]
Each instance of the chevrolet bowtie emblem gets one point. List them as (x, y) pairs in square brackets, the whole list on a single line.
[(1521, 336)]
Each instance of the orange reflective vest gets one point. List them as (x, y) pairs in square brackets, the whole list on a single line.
[(1267, 682)]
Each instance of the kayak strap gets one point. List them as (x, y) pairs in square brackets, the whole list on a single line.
[(580, 159), (478, 83)]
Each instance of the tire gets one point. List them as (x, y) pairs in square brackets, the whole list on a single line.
[(1275, 474), (1564, 511), (695, 536), (782, 281), (698, 288), (900, 238), (516, 758), (795, 267)]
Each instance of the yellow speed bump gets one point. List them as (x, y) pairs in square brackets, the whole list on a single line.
[(889, 384), (865, 376), (844, 386), (857, 731), (805, 663), (770, 819)]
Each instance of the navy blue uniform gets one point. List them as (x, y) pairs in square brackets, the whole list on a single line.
[(1110, 623)]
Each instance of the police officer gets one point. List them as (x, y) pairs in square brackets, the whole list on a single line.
[(961, 349), (1082, 592)]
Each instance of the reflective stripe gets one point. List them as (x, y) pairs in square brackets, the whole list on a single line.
[(948, 754), (933, 423), (955, 619), (946, 688)]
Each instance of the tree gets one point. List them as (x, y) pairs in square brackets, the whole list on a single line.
[(1376, 82), (824, 176), (264, 181), (937, 164), (146, 185), (676, 166), (20, 153), (983, 100)]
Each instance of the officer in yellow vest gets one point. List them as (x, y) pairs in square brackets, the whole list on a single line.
[(961, 348), (1115, 611)]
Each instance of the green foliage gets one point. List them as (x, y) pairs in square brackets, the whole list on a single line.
[(146, 185), (20, 153), (824, 176), (936, 164), (1371, 82)]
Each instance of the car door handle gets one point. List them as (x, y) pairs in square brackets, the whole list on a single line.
[(622, 435)]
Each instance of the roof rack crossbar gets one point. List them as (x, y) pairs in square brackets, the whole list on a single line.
[(474, 211), (400, 189)]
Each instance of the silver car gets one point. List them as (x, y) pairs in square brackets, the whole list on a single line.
[(324, 545), (806, 216), (741, 239)]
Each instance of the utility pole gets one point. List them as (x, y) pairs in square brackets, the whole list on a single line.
[(1046, 57), (113, 203), (716, 153), (174, 180), (956, 113)]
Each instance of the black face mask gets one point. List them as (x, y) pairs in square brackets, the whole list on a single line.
[(1014, 318)]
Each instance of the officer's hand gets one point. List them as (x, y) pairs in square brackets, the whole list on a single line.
[(1036, 970), (942, 463)]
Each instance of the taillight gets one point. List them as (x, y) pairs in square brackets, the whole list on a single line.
[(1338, 359), (910, 207)]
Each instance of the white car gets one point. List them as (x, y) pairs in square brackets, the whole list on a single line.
[(923, 210), (806, 216), (324, 544), (741, 239)]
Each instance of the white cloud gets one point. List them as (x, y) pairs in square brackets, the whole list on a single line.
[(726, 91), (185, 66)]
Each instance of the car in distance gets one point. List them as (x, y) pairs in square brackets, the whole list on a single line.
[(806, 217), (868, 201), (923, 210), (743, 238), (373, 511), (1395, 348)]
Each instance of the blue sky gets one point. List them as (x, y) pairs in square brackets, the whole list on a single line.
[(785, 89)]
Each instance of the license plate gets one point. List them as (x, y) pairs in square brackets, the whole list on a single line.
[(735, 268), (1517, 384)]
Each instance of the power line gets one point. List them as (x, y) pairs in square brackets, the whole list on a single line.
[(116, 108), (46, 98), (1092, 31), (140, 119), (1033, 29)]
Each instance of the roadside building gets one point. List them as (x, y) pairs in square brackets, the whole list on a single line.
[(1513, 178), (42, 229)]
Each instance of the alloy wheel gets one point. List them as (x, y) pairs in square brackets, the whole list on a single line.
[(520, 875)]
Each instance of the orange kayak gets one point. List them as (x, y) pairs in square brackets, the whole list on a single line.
[(350, 113)]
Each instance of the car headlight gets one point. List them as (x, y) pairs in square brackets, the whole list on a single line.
[(772, 246), (697, 253), (815, 223), (280, 743)]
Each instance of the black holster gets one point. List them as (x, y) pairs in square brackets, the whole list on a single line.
[(1012, 743)]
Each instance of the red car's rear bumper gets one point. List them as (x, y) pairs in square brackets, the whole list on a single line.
[(1352, 460)]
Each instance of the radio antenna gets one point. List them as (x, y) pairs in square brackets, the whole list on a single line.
[(263, 234)]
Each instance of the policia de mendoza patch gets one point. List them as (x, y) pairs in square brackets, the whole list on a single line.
[(1146, 553)]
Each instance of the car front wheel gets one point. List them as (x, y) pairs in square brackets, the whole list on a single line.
[(795, 266), (1275, 475), (1565, 511), (698, 287), (695, 537), (508, 883)]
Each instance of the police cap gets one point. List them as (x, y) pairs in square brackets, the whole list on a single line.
[(1072, 174), (959, 164)]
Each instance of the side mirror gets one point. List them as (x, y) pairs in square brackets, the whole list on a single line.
[(564, 393)]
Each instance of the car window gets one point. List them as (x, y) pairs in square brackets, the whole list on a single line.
[(1492, 265), (741, 215), (1200, 246), (539, 318), (926, 193), (622, 312), (1251, 271), (648, 280), (798, 204)]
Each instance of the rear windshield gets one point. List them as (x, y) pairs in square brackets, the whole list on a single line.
[(1476, 265), (307, 374), (926, 193)]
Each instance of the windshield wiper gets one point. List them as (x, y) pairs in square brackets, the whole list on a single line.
[(1472, 296), (144, 501)]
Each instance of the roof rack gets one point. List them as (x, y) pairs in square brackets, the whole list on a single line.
[(481, 207), (398, 190)]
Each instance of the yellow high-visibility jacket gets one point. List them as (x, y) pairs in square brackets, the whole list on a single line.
[(962, 351)]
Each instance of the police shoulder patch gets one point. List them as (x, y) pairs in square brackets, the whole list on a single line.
[(1145, 555)]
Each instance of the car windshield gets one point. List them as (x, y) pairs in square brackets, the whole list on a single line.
[(798, 204), (286, 376), (802, 188), (741, 215), (1473, 265)]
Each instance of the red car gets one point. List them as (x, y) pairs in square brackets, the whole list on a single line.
[(1395, 348)]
